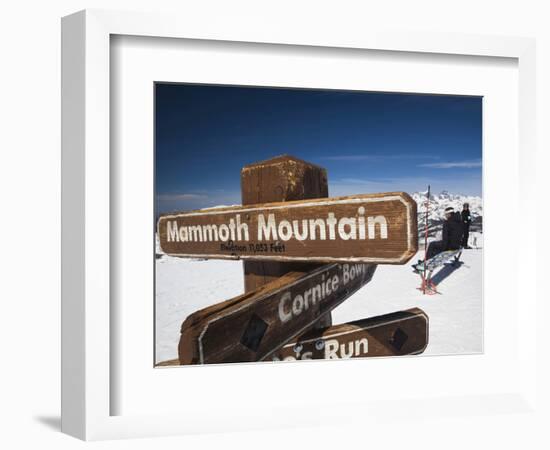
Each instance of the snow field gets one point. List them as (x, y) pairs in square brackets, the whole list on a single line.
[(456, 322)]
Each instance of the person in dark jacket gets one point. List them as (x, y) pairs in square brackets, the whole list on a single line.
[(466, 221), (451, 236)]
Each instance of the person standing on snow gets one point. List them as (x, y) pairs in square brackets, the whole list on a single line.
[(451, 236), (466, 221)]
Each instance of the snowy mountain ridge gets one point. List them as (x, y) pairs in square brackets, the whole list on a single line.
[(438, 203)]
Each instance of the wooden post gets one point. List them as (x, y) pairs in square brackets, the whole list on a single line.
[(280, 179)]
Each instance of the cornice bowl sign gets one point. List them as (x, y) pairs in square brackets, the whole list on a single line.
[(368, 228)]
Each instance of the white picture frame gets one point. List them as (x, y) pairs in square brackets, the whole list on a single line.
[(87, 319)]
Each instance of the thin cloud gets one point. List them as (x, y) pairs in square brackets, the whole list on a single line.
[(168, 202), (372, 157), (359, 181), (468, 184), (453, 165), (179, 197)]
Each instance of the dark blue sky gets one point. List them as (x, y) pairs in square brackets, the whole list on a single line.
[(368, 142)]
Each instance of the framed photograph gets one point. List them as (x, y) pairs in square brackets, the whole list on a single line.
[(293, 214), (428, 148)]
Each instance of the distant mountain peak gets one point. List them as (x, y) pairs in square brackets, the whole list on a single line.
[(438, 203)]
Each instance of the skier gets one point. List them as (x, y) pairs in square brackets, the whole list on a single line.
[(466, 221), (451, 236)]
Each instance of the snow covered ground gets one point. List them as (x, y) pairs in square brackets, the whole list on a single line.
[(456, 316)]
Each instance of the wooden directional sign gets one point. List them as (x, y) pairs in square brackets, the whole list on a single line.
[(398, 333), (254, 325), (368, 228)]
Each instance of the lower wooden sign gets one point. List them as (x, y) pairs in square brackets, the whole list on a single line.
[(398, 333), (254, 325)]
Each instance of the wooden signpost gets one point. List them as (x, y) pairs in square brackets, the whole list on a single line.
[(303, 254), (369, 228), (281, 179), (254, 325), (398, 333)]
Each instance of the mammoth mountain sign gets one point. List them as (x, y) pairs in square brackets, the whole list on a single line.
[(369, 228)]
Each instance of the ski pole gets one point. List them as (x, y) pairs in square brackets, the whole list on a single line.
[(426, 239)]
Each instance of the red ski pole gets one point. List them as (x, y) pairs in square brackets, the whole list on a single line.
[(426, 241)]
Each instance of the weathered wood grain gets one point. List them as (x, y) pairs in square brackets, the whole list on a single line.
[(252, 326), (398, 333), (280, 179)]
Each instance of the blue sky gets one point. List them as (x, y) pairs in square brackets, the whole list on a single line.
[(368, 142)]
